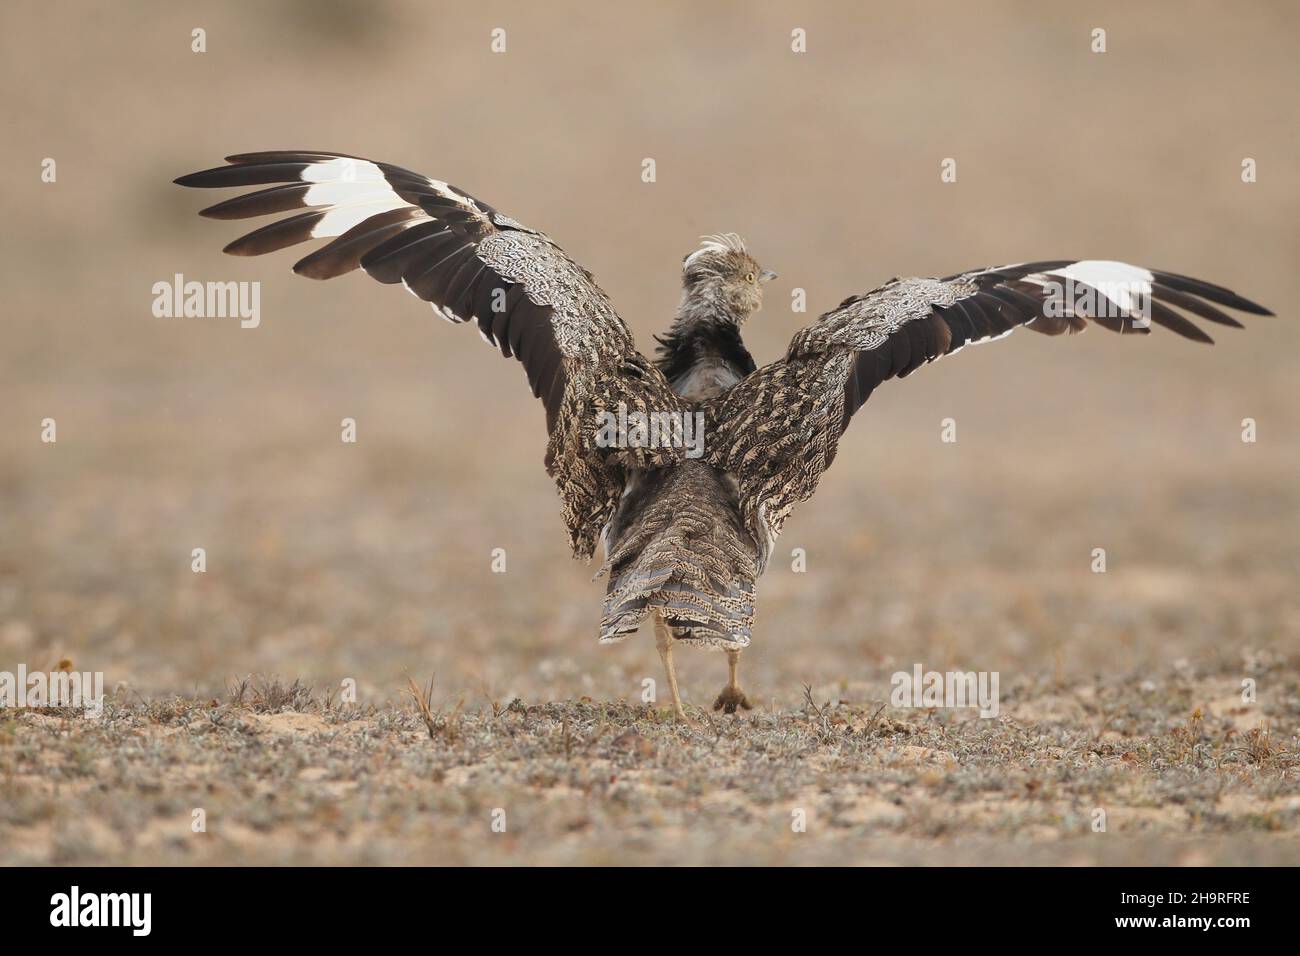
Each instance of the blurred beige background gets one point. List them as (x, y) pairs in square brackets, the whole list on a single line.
[(328, 560)]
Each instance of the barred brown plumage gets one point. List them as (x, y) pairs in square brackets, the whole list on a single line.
[(779, 429), (468, 262), (686, 538)]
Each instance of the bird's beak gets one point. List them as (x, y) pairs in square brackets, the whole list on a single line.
[(767, 275)]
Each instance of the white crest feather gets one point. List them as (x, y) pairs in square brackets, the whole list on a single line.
[(720, 242)]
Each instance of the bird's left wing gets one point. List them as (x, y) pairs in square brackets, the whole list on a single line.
[(470, 263), (778, 429)]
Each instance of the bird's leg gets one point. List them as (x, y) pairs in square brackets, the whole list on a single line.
[(732, 696), (664, 641)]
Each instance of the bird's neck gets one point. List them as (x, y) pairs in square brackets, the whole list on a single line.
[(703, 353)]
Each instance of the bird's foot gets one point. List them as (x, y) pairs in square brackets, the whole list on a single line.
[(731, 698), (682, 719)]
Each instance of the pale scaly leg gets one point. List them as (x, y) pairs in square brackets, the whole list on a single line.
[(732, 696), (664, 641)]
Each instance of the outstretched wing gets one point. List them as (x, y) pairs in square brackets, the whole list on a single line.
[(778, 429), (471, 263)]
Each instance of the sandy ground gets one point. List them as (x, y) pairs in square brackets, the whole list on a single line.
[(365, 563), (1092, 773)]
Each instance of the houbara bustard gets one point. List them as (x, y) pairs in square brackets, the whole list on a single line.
[(687, 527)]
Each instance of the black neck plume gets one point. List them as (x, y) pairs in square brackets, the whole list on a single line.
[(687, 345)]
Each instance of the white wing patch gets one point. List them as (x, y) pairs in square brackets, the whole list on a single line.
[(343, 217), (354, 189), (1128, 286), (343, 169), (1093, 271), (357, 189)]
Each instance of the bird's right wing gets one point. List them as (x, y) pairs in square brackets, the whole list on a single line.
[(778, 429), (470, 263)]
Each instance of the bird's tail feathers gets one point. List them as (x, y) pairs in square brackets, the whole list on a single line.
[(667, 580)]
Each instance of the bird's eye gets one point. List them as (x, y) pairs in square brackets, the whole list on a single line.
[(749, 277)]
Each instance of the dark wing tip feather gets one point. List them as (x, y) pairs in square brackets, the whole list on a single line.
[(276, 236), (250, 174), (289, 155), (263, 202), (428, 241), (345, 253), (1207, 290)]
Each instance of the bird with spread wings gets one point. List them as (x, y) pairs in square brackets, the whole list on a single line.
[(686, 531)]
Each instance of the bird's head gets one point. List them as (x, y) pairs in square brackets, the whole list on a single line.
[(722, 278)]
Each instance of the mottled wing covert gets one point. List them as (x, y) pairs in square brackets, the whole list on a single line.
[(471, 264), (778, 429)]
